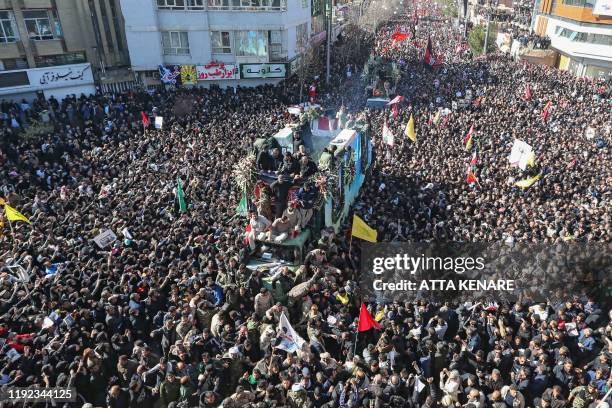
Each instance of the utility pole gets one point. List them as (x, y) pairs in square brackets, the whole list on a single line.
[(465, 23), (328, 14), (486, 41)]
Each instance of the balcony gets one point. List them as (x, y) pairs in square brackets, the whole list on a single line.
[(37, 4), (223, 5), (47, 47), (247, 5), (11, 49), (579, 10)]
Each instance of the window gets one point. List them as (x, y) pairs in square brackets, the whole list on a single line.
[(57, 27), (61, 59), (301, 35), (105, 23), (8, 31), (171, 4), (316, 8), (11, 79), (267, 4), (195, 4), (219, 3), (275, 40), (579, 3), (221, 42), (576, 36), (175, 42), (248, 4), (38, 24), (251, 43), (14, 63)]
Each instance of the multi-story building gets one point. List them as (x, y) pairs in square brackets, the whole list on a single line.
[(61, 47), (580, 31), (223, 42)]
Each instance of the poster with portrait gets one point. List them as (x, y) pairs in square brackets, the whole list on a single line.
[(188, 75)]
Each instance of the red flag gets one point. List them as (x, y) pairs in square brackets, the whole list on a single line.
[(145, 119), (445, 121), (323, 123), (248, 229), (366, 321), (395, 100), (473, 160), (546, 112), (527, 93), (471, 177), (395, 111), (398, 36)]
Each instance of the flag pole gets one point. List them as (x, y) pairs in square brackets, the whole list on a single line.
[(11, 226), (356, 335), (604, 398)]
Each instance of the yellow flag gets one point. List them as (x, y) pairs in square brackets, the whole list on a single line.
[(531, 159), (362, 230), (14, 215), (528, 182), (468, 145), (2, 202), (409, 132), (437, 118)]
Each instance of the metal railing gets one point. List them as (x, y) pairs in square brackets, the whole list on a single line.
[(248, 5)]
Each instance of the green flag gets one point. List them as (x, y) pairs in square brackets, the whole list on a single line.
[(180, 196), (243, 208)]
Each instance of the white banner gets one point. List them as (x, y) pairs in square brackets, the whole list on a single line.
[(105, 238), (216, 70), (65, 75), (264, 70), (603, 8), (159, 122), (290, 341), (521, 154)]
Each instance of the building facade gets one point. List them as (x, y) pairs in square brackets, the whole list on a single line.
[(580, 31), (61, 47), (222, 42)]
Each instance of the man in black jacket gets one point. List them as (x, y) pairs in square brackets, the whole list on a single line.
[(118, 397), (280, 190), (307, 197)]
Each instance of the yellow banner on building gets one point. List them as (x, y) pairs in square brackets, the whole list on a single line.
[(563, 62), (188, 75)]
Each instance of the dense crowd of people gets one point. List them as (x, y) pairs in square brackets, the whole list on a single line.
[(170, 316)]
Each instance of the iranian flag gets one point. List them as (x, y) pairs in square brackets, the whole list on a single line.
[(387, 135)]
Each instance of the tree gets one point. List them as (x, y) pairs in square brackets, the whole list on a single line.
[(37, 130), (450, 8), (307, 66), (476, 39), (354, 41)]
